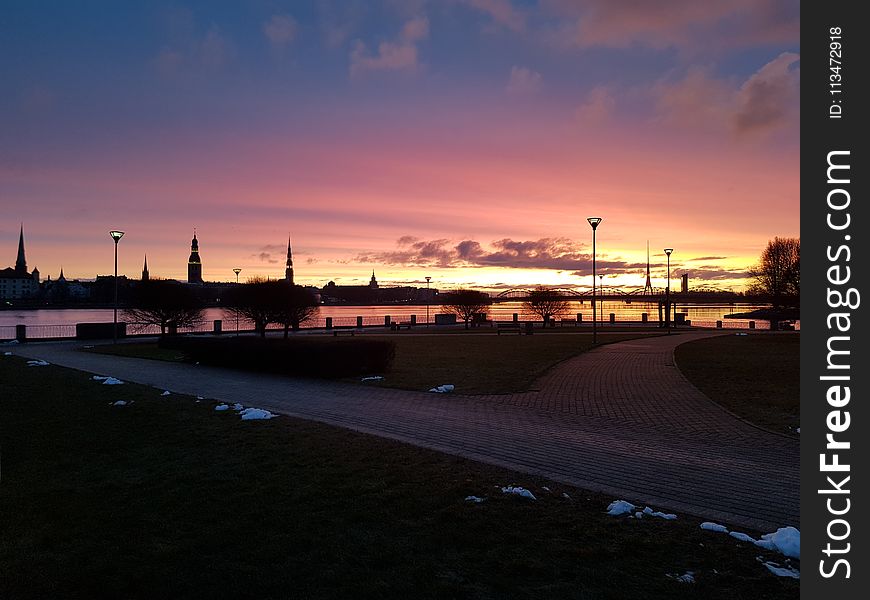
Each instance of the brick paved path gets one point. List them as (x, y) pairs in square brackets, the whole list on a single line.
[(620, 419)]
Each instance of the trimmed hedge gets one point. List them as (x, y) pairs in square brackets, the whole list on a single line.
[(308, 357)]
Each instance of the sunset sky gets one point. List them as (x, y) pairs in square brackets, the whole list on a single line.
[(467, 140)]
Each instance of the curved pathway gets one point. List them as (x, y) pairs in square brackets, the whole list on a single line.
[(620, 419)]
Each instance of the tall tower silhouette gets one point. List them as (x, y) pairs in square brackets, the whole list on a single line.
[(20, 262), (288, 272), (373, 283), (647, 289), (145, 274), (194, 264)]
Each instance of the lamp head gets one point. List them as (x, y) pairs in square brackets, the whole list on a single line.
[(594, 221), (668, 251), (428, 279), (116, 235)]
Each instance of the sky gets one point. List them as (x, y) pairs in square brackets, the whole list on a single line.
[(465, 140)]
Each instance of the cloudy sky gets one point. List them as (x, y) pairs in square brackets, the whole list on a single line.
[(467, 140)]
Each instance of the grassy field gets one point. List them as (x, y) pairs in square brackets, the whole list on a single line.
[(474, 363), (755, 376), (166, 498)]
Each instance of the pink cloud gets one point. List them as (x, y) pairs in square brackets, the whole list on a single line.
[(502, 13), (667, 23), (399, 55), (280, 30), (524, 81), (767, 101)]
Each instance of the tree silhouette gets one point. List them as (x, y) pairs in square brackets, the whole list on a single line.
[(264, 301), (778, 272), (467, 303), (546, 303), (160, 302)]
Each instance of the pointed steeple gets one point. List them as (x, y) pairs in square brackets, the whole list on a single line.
[(647, 289), (145, 274), (288, 272), (61, 278), (194, 263), (20, 262), (373, 283)]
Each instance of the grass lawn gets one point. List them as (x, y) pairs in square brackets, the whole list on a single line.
[(166, 498), (474, 363), (755, 376)]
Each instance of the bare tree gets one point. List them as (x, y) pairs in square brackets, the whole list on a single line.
[(778, 272), (263, 302), (467, 303), (546, 303), (160, 302)]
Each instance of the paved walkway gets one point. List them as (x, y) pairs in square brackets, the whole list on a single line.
[(620, 419)]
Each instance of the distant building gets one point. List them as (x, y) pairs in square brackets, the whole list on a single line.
[(684, 283), (288, 272), (194, 264), (145, 275), (373, 293), (16, 282), (373, 283)]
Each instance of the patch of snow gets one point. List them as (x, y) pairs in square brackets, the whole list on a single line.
[(112, 381), (742, 537), (741, 334), (9, 343), (37, 363), (566, 496), (687, 577), (714, 527), (7, 354), (119, 403), (200, 398), (443, 389), (474, 499), (667, 516), (638, 515), (255, 414), (786, 540), (518, 491), (545, 488), (766, 544), (222, 407), (165, 393), (778, 570), (620, 507), (798, 430), (238, 407), (372, 378)]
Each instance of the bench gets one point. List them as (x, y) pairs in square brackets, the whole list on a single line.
[(406, 324), (338, 332), (505, 326), (568, 322)]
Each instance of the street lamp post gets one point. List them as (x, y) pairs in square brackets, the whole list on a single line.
[(116, 235), (428, 300), (601, 291), (594, 222), (668, 293), (237, 270)]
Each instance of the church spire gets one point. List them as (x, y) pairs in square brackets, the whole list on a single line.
[(20, 262), (194, 263), (145, 275), (288, 272)]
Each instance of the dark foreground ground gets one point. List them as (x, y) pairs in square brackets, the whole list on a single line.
[(756, 376), (166, 498)]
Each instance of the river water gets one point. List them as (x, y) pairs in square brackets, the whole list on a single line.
[(61, 322)]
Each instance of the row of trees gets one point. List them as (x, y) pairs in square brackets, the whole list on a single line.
[(262, 302), (542, 302)]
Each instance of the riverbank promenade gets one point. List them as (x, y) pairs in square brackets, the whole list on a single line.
[(620, 419)]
